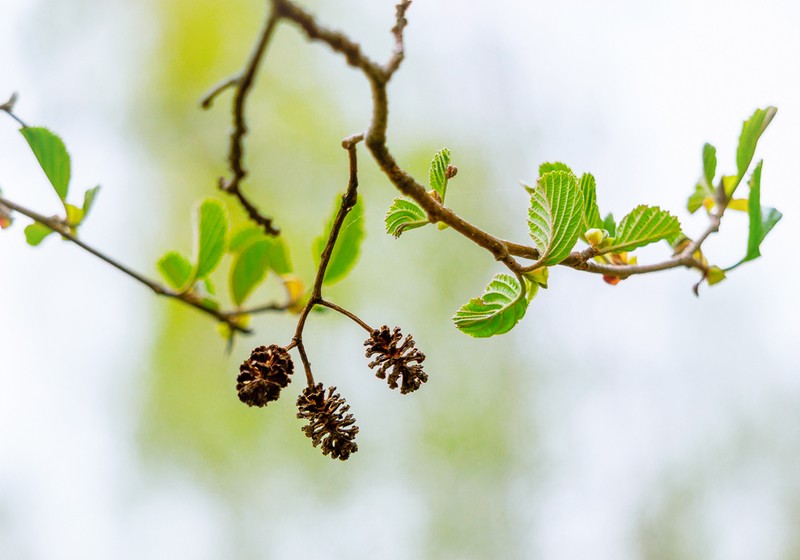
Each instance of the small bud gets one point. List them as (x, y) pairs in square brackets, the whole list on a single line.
[(451, 172), (595, 237), (539, 276), (715, 275), (296, 291), (435, 196), (5, 217)]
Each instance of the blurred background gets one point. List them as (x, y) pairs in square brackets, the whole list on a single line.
[(624, 422)]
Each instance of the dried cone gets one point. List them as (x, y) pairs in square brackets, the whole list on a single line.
[(328, 421), (262, 377), (403, 358)]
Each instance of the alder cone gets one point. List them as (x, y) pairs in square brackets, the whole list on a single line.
[(403, 358), (262, 376), (329, 425)]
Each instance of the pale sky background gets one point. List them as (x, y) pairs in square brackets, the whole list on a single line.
[(648, 390)]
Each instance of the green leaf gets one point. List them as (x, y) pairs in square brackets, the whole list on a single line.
[(212, 228), (698, 197), (36, 232), (553, 166), (248, 270), (715, 275), (590, 211), (348, 245), (404, 215), (88, 200), (555, 216), (176, 270), (644, 225), (610, 225), (438, 172), (501, 307), (244, 237), (279, 259), (209, 286), (704, 189), (75, 215), (709, 164), (762, 219), (752, 130), (52, 155)]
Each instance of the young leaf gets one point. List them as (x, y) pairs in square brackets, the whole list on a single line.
[(36, 232), (348, 245), (209, 286), (212, 228), (501, 307), (75, 215), (702, 196), (52, 155), (555, 216), (590, 211), (244, 237), (644, 225), (279, 259), (176, 270), (438, 172), (404, 215), (248, 270), (610, 225), (751, 132), (88, 199), (709, 164), (704, 190), (553, 166), (762, 219)]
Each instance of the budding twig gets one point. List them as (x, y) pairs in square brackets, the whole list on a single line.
[(186, 297)]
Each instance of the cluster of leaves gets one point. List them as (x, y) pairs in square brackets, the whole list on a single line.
[(54, 159), (253, 255), (761, 218), (563, 210)]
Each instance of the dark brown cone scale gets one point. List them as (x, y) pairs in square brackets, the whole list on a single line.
[(329, 425), (400, 356), (262, 376)]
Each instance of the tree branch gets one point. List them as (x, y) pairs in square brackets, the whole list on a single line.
[(189, 298), (349, 200), (242, 84)]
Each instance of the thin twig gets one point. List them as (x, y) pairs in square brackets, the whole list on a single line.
[(336, 40), (243, 83), (349, 200), (399, 47), (186, 297), (503, 251), (8, 108), (350, 315), (208, 99)]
